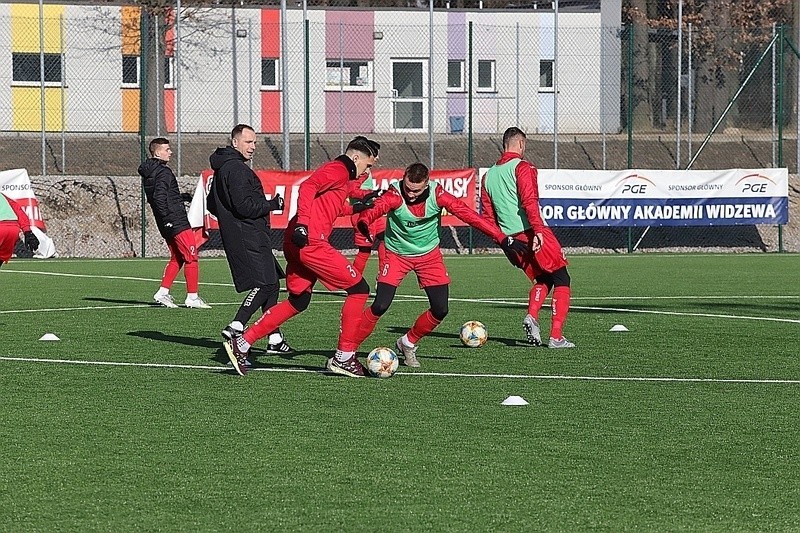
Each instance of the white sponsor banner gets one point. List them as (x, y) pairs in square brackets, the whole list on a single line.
[(664, 197), (16, 184), (634, 184)]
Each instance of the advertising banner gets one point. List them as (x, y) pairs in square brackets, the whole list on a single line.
[(664, 197), (459, 182), (16, 184)]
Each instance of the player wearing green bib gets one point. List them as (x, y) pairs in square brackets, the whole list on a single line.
[(414, 215), (510, 198)]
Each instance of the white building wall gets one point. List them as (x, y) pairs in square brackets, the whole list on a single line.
[(92, 66)]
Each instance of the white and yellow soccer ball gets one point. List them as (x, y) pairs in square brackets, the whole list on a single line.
[(473, 334), (382, 362)]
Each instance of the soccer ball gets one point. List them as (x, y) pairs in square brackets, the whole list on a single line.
[(382, 362), (473, 334)]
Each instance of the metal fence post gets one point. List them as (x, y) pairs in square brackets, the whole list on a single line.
[(630, 117), (779, 88), (143, 32), (307, 136), (469, 96)]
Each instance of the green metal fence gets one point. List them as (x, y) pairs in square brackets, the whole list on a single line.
[(590, 96)]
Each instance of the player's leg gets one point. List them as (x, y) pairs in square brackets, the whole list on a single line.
[(381, 248), (276, 342), (438, 296), (335, 272), (186, 256), (162, 296), (299, 283), (562, 294), (542, 284), (256, 298), (384, 294), (434, 279), (9, 235), (361, 258)]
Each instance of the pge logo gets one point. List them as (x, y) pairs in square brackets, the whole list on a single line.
[(754, 184), (634, 184)]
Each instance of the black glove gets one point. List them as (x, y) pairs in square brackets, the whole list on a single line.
[(371, 197), (360, 206), (31, 242), (363, 229), (277, 203), (186, 197), (300, 235), (511, 247)]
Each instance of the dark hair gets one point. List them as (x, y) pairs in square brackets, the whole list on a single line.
[(416, 173), (238, 129), (364, 145), (511, 133), (158, 141)]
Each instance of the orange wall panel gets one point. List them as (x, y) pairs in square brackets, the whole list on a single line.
[(130, 109)]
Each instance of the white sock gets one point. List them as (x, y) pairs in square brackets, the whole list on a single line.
[(242, 344), (343, 356), (191, 295), (162, 291), (275, 338), (406, 342), (238, 326)]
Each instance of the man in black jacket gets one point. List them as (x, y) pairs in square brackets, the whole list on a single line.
[(237, 199), (164, 197)]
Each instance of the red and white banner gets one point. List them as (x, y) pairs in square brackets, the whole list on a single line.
[(458, 182), (16, 184)]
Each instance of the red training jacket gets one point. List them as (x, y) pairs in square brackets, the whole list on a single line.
[(22, 220)]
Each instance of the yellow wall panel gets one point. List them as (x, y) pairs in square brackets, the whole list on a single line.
[(25, 28), (130, 109), (130, 31), (25, 101)]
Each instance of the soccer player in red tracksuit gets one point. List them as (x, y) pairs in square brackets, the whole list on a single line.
[(414, 207), (510, 198), (362, 197), (310, 258), (12, 220)]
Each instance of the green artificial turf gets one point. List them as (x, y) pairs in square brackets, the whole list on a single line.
[(688, 421)]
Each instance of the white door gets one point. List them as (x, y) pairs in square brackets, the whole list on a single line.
[(409, 95)]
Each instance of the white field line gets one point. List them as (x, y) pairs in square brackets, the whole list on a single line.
[(504, 301), (127, 278), (660, 379), (624, 310)]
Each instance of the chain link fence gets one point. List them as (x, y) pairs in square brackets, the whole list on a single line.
[(438, 87)]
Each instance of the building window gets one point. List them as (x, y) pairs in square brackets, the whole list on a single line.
[(486, 75), (269, 73), (169, 71), (349, 75), (26, 68), (455, 75), (130, 71), (546, 75)]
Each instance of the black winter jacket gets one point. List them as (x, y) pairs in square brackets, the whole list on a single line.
[(164, 197), (236, 198)]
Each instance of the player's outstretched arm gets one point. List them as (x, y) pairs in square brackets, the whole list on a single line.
[(464, 213), (382, 205)]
